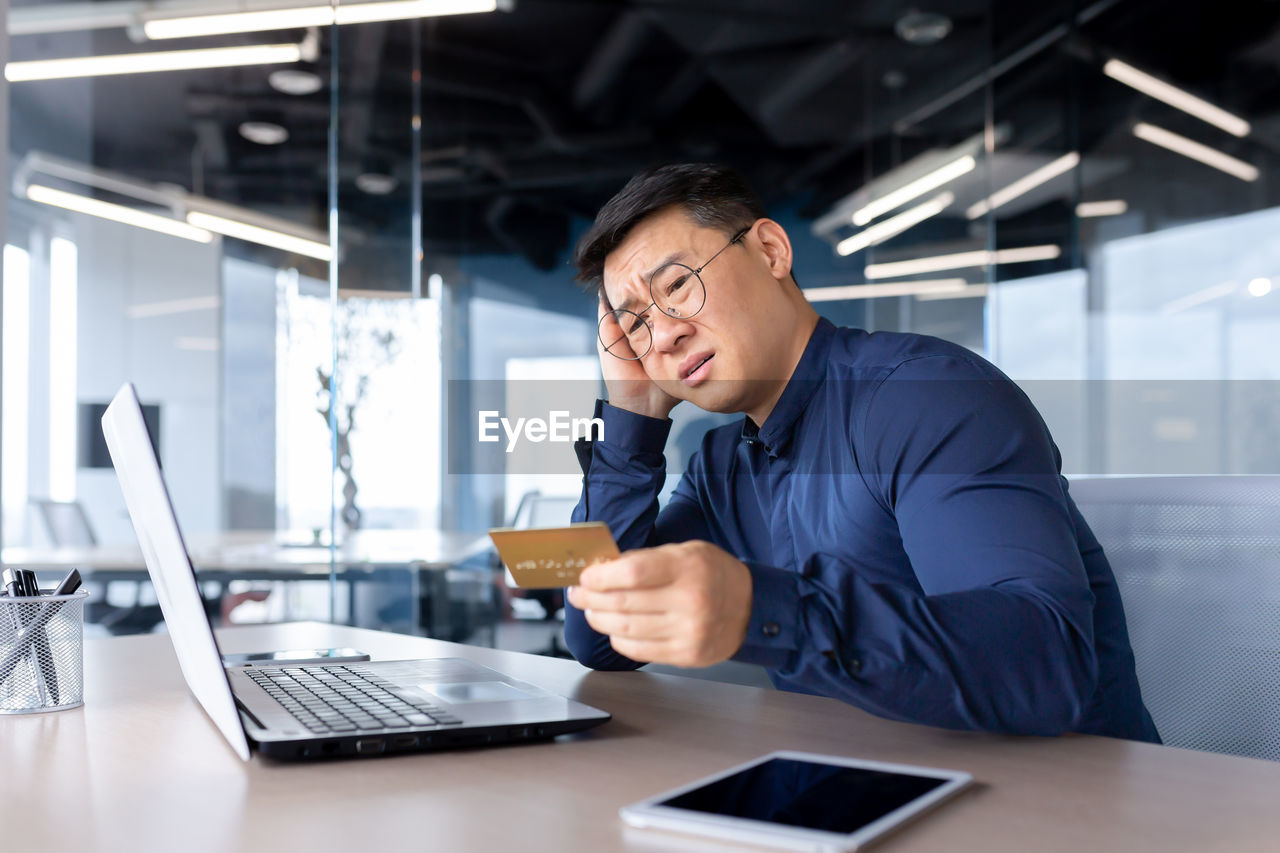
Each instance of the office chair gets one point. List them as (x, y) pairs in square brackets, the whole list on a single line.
[(1197, 560), (68, 527), (535, 509)]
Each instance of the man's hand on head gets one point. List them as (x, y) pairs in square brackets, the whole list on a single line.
[(686, 604), (629, 386)]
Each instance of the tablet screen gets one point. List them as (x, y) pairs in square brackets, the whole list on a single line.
[(807, 794)]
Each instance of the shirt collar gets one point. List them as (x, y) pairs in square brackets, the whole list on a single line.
[(805, 379)]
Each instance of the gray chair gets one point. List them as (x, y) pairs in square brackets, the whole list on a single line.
[(535, 509), (1197, 560), (66, 523)]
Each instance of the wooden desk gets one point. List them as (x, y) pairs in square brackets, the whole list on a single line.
[(141, 768)]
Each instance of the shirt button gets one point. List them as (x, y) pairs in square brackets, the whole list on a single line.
[(770, 629), (855, 665)]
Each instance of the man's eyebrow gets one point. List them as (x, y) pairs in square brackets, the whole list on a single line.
[(671, 258)]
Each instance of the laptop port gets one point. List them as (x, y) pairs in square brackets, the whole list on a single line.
[(404, 741), (330, 747), (366, 745)]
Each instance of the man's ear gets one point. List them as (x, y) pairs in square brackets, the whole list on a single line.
[(776, 246)]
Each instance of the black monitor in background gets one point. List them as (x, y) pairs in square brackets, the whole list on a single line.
[(93, 447)]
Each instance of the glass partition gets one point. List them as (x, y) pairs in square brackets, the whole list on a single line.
[(328, 269)]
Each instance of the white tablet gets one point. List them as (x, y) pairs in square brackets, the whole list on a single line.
[(800, 801)]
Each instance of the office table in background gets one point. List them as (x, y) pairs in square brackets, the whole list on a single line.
[(263, 555), (141, 768)]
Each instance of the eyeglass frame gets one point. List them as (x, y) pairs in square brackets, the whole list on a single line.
[(653, 303)]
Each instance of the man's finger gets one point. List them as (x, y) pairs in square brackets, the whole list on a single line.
[(641, 569), (617, 601), (645, 651), (631, 626)]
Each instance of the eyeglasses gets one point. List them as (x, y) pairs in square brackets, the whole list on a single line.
[(674, 289)]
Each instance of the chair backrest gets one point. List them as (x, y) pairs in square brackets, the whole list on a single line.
[(538, 510), (67, 523), (1197, 560)]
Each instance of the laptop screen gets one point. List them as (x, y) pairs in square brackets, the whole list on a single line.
[(169, 565)]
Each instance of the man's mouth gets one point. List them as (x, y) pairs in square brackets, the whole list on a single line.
[(695, 368)]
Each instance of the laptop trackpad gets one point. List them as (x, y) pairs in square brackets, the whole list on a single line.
[(476, 691)]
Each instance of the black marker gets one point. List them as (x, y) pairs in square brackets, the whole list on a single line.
[(27, 637), (43, 651)]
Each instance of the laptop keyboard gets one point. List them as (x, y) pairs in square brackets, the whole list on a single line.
[(344, 699)]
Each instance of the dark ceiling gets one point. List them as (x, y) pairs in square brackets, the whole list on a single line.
[(532, 118)]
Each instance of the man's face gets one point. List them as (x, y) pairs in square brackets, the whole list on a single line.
[(727, 357)]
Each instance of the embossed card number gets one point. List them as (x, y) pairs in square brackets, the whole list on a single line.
[(549, 557)]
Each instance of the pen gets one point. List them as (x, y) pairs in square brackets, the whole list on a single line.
[(15, 585), (43, 652), (25, 637)]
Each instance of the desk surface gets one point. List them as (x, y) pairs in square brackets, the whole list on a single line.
[(141, 768)]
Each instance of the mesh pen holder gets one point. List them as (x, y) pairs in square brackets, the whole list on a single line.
[(42, 653)]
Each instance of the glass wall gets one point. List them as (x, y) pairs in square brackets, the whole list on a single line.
[(322, 269)]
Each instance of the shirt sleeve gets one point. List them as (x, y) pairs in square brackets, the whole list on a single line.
[(623, 473), (997, 632)]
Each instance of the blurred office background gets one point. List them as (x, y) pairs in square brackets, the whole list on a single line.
[(319, 259)]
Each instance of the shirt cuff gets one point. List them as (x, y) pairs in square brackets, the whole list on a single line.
[(632, 432), (773, 632)]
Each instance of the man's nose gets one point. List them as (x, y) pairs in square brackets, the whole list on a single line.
[(668, 330)]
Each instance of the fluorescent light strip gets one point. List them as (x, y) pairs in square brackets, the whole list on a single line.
[(309, 16), (875, 291), (969, 292), (1200, 297), (172, 306), (116, 213), (262, 236), (63, 313), (1175, 97), (892, 227), (143, 63), (962, 260), (915, 189), (1114, 207), (1203, 153), (1023, 185)]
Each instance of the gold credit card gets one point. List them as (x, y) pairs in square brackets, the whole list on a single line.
[(547, 557)]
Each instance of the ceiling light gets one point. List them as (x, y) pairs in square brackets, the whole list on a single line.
[(922, 28), (1175, 97), (308, 16), (894, 226), (1114, 207), (1259, 287), (374, 183), (962, 260), (263, 132), (165, 307), (1200, 297), (969, 291), (1023, 185), (141, 63), (117, 213), (876, 291), (1196, 151), (262, 236), (295, 81), (915, 189)]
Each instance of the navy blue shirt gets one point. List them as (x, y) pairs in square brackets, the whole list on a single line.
[(912, 545)]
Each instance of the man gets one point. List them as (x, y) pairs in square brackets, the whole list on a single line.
[(888, 525)]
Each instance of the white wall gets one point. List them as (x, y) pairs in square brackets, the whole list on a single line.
[(172, 358)]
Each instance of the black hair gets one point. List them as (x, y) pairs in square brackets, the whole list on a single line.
[(714, 196)]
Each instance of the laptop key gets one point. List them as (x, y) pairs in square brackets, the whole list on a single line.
[(420, 719)]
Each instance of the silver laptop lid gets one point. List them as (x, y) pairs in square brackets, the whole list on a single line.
[(169, 565)]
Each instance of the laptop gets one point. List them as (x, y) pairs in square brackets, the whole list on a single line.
[(317, 710)]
